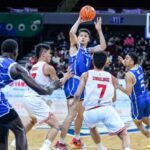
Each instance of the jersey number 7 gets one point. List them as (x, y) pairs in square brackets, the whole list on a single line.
[(103, 89), (33, 75)]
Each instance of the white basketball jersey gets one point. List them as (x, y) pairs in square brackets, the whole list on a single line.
[(99, 89), (38, 73)]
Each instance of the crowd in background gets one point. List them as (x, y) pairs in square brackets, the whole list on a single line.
[(117, 45)]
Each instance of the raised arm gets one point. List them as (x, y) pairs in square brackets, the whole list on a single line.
[(18, 72), (102, 45), (72, 33), (80, 89)]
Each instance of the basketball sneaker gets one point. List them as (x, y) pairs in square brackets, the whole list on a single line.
[(77, 143), (104, 148), (45, 146), (61, 146)]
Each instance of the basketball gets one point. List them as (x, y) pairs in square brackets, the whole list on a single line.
[(87, 13)]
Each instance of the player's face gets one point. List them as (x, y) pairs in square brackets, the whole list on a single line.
[(128, 61), (47, 56), (83, 38)]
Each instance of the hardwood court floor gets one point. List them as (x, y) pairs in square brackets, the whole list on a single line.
[(36, 137)]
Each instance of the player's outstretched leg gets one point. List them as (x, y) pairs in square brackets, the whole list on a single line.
[(28, 127), (76, 141), (72, 112), (96, 138), (54, 124), (123, 135)]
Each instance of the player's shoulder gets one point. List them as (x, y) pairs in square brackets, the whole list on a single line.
[(130, 74), (6, 60), (49, 67), (106, 73), (90, 72), (85, 74)]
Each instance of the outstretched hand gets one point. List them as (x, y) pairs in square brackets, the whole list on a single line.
[(68, 75), (98, 24), (121, 59), (81, 20), (53, 86)]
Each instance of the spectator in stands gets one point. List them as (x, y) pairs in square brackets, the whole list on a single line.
[(56, 58), (61, 37), (113, 40), (142, 43), (61, 63), (110, 57), (129, 41)]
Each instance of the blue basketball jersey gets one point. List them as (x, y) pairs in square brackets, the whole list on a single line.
[(140, 101), (78, 64), (81, 61), (5, 78), (139, 87)]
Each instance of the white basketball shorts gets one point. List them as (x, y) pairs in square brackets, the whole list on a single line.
[(37, 106), (106, 115)]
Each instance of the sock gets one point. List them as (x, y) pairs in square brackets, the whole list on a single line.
[(61, 140), (99, 146), (77, 136)]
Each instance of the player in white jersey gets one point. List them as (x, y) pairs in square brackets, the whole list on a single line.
[(99, 94), (10, 71), (37, 105)]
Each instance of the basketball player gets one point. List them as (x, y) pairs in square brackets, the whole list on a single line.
[(9, 71), (37, 105), (99, 93), (79, 62), (135, 88)]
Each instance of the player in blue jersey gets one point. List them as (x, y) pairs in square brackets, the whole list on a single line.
[(79, 62), (9, 71), (135, 88)]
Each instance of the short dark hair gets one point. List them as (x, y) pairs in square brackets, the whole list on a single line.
[(9, 46), (84, 30), (134, 57), (99, 59), (39, 49)]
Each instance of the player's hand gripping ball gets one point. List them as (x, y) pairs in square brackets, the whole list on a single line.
[(87, 13)]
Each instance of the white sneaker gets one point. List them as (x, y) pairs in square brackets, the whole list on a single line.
[(127, 148), (13, 144), (45, 146), (104, 148)]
